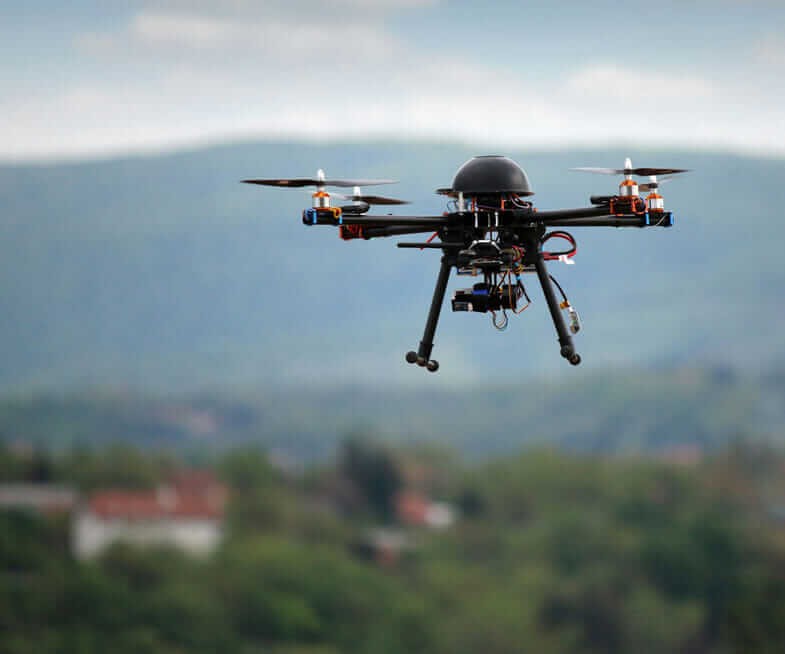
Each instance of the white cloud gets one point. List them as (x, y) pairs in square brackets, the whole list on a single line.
[(247, 41), (189, 30), (184, 73), (271, 35), (637, 86), (185, 105)]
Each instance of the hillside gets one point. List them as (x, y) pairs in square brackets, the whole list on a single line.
[(165, 272), (619, 412)]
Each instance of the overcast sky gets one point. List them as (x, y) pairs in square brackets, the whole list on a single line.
[(86, 78)]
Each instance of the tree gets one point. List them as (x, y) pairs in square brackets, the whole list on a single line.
[(374, 471)]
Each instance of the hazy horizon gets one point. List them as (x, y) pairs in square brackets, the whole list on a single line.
[(206, 144)]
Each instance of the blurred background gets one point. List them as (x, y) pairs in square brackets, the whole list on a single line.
[(209, 437)]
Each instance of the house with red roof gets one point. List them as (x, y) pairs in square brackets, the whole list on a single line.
[(414, 509), (186, 512)]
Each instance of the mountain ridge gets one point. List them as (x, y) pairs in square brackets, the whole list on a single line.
[(165, 271)]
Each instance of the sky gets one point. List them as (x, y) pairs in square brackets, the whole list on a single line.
[(85, 79)]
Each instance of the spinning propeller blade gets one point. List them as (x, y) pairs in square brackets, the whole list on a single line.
[(629, 170), (654, 183), (357, 196), (319, 180)]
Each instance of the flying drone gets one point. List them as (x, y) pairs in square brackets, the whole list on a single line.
[(493, 233)]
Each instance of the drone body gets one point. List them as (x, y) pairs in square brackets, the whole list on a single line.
[(492, 233)]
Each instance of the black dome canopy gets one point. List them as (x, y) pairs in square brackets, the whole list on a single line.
[(490, 174)]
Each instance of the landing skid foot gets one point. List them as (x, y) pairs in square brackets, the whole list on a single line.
[(431, 364), (569, 353)]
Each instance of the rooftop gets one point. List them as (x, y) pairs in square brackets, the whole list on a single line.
[(190, 494)]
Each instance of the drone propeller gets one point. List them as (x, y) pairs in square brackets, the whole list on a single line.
[(654, 183), (629, 170), (319, 181), (357, 196)]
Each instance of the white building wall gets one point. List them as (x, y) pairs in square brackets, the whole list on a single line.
[(439, 515), (91, 534), (41, 497)]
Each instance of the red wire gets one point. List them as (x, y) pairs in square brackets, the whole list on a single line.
[(550, 256), (430, 238)]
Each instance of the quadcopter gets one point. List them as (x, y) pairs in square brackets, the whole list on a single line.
[(493, 233)]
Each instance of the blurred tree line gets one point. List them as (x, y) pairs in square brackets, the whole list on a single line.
[(552, 553)]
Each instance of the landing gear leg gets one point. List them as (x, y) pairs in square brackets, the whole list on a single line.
[(423, 355), (565, 339)]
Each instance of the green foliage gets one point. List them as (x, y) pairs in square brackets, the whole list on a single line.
[(246, 469), (755, 622), (558, 554), (27, 542), (118, 465)]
